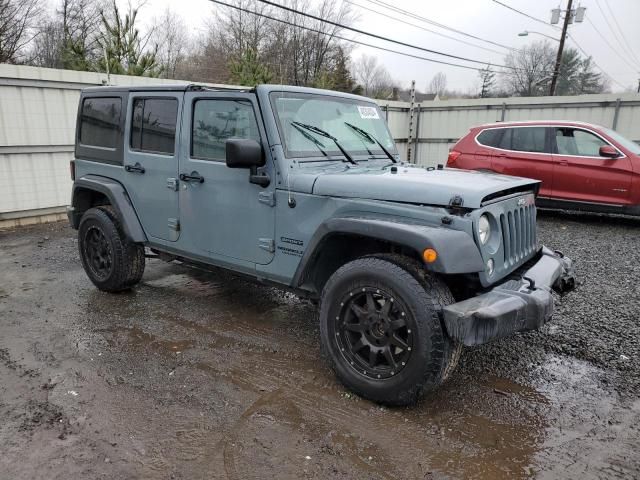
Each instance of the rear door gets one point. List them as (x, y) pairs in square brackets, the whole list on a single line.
[(151, 163), (484, 145), (223, 216), (582, 175), (526, 152)]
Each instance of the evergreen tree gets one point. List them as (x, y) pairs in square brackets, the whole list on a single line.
[(341, 76), (249, 70), (487, 76), (123, 48)]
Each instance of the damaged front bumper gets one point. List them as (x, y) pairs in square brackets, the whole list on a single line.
[(515, 305)]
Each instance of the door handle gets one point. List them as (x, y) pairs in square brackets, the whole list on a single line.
[(137, 168), (192, 177), (502, 154)]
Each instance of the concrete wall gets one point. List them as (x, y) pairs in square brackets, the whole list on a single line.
[(38, 112)]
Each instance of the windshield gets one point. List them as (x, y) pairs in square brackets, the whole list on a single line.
[(331, 114), (633, 147)]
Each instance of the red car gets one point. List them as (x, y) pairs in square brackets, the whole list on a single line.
[(581, 166)]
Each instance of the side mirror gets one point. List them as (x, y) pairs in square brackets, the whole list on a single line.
[(244, 153), (608, 151), (247, 153)]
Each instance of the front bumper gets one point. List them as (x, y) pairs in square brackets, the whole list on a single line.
[(524, 303)]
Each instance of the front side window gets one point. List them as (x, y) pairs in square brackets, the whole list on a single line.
[(215, 121), (528, 139), (578, 142), (333, 115), (100, 121), (153, 125)]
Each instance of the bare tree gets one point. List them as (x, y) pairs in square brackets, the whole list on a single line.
[(297, 50), (375, 80), (70, 38), (47, 50), (438, 84), (18, 19), (529, 69), (171, 35)]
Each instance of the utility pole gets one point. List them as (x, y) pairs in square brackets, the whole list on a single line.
[(639, 85), (411, 115), (567, 18)]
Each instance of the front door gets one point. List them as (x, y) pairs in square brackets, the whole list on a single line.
[(582, 175), (223, 216), (151, 164)]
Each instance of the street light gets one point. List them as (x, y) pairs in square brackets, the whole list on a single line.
[(527, 32)]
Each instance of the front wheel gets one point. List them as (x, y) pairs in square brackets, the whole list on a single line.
[(381, 330)]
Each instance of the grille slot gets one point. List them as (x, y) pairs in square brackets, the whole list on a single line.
[(518, 234)]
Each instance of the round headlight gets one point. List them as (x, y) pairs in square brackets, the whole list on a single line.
[(484, 229)]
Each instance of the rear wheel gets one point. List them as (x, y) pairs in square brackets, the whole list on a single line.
[(111, 261), (381, 329)]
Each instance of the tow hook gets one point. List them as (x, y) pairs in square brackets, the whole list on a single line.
[(565, 284), (532, 283)]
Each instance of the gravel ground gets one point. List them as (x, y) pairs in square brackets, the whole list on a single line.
[(200, 375), (600, 321)]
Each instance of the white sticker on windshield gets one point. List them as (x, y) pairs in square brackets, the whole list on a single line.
[(368, 112)]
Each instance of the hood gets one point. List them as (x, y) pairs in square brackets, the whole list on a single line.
[(413, 184)]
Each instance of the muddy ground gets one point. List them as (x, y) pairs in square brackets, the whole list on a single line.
[(198, 375)]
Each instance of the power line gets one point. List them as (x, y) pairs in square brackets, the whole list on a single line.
[(568, 35), (236, 7), (437, 24), (630, 50), (594, 62), (520, 12), (423, 28), (374, 35), (615, 35), (613, 49)]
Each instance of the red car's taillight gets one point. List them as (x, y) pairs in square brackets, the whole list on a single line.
[(453, 156), (72, 170)]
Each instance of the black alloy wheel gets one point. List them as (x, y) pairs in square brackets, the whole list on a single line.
[(373, 332), (381, 328), (112, 262), (98, 252)]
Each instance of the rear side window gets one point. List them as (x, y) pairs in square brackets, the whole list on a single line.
[(215, 121), (100, 121), (528, 139), (153, 125), (491, 137)]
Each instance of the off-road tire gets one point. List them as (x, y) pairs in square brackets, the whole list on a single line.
[(434, 355), (127, 260)]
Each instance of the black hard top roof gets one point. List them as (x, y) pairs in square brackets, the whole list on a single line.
[(179, 87)]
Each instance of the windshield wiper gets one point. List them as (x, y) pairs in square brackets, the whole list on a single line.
[(322, 133), (372, 139), (312, 139)]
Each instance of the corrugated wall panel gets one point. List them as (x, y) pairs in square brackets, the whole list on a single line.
[(33, 181)]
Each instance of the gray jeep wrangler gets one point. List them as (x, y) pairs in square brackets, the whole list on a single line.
[(304, 189)]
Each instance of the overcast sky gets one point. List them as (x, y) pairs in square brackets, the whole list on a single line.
[(481, 18)]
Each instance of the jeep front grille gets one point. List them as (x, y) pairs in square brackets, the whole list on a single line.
[(518, 234)]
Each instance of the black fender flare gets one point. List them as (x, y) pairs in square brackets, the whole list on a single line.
[(118, 199), (457, 251)]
